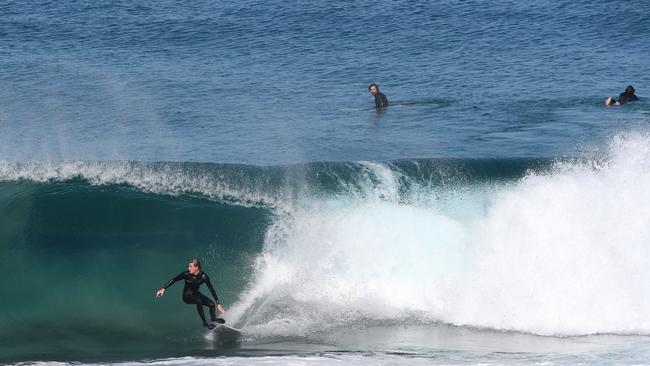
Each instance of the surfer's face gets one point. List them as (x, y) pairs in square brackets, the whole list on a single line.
[(192, 268), (373, 90)]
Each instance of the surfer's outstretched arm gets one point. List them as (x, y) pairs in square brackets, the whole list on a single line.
[(214, 294), (161, 292)]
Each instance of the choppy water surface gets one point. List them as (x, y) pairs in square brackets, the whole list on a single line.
[(277, 82)]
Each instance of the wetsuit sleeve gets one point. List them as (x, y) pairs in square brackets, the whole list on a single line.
[(174, 280), (209, 284)]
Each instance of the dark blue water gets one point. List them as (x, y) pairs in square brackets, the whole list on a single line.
[(275, 82), (496, 212)]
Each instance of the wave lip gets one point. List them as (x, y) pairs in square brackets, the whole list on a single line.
[(237, 186)]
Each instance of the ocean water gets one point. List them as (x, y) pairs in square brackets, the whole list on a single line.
[(496, 213)]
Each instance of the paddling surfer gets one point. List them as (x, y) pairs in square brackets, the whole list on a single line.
[(625, 97)]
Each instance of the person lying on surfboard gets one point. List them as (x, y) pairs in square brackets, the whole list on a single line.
[(625, 97), (194, 278)]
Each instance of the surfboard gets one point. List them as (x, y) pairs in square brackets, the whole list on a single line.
[(226, 336)]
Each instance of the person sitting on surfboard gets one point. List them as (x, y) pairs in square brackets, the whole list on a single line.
[(625, 97), (194, 278), (380, 99)]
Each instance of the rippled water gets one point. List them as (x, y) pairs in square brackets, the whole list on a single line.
[(276, 82)]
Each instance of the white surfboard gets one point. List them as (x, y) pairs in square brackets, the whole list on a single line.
[(226, 336)]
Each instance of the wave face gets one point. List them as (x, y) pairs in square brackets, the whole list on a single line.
[(537, 246), (80, 264)]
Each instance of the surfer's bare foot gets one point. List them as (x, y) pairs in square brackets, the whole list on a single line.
[(218, 320), (209, 326), (608, 101)]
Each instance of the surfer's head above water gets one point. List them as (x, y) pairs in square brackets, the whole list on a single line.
[(194, 266), (630, 89), (373, 89)]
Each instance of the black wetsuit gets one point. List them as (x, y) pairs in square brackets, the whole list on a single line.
[(191, 294), (627, 97), (380, 100)]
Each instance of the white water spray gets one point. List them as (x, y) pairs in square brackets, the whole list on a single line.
[(559, 253)]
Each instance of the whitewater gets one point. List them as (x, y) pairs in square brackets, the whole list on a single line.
[(561, 252)]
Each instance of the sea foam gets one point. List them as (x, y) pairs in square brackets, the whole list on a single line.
[(560, 252)]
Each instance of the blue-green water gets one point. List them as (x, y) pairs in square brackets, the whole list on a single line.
[(496, 213)]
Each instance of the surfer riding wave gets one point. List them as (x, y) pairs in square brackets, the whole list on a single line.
[(194, 278)]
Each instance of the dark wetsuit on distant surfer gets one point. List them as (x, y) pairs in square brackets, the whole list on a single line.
[(194, 278), (380, 99), (625, 97)]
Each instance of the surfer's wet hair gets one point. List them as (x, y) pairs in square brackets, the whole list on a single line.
[(373, 84), (630, 89), (195, 262)]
